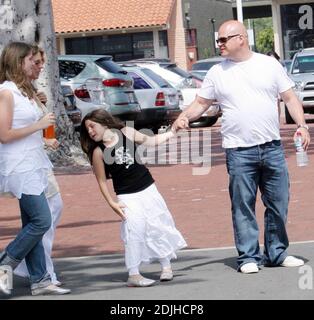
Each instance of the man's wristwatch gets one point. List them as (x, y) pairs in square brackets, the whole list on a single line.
[(305, 126)]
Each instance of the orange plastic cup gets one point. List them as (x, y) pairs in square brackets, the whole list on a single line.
[(49, 133)]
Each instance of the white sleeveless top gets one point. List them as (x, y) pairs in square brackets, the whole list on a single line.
[(24, 164)]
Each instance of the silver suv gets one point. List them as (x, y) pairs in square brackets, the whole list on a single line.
[(116, 84), (302, 73)]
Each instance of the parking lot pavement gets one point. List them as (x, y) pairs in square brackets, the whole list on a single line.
[(203, 274), (199, 204), (89, 233)]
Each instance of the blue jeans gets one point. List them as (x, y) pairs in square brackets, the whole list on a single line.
[(36, 220), (264, 167)]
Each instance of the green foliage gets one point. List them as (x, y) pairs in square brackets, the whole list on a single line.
[(207, 53), (263, 33), (265, 40)]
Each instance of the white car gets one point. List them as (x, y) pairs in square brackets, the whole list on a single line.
[(201, 67), (159, 101), (185, 83)]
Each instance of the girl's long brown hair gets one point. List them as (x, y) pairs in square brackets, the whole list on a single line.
[(102, 117), (11, 66)]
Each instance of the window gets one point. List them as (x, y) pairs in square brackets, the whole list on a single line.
[(304, 64), (70, 69), (121, 47), (174, 68), (110, 66), (190, 35), (158, 79), (139, 83), (294, 38)]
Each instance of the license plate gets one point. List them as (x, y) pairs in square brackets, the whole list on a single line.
[(131, 97), (172, 99)]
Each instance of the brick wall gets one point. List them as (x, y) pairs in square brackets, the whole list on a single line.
[(176, 36)]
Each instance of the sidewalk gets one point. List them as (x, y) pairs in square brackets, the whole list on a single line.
[(203, 274), (200, 206)]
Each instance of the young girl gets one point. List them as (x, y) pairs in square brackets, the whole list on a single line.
[(147, 230)]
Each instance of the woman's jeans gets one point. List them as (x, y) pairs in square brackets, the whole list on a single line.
[(36, 220), (262, 166)]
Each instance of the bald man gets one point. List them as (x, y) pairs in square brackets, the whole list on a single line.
[(246, 85)]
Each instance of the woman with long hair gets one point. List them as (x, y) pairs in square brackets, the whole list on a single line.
[(24, 165), (52, 192)]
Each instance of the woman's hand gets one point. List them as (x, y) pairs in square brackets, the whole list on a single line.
[(46, 121), (42, 97), (118, 209), (52, 143)]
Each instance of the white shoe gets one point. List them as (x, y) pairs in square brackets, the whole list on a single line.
[(57, 283), (139, 282), (250, 267), (5, 282), (291, 261), (50, 290), (166, 275)]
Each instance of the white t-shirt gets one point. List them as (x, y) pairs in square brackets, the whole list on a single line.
[(247, 93), (24, 164)]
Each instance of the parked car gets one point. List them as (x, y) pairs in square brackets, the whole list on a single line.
[(302, 73), (287, 64), (159, 101), (201, 67), (74, 114), (182, 81), (119, 98)]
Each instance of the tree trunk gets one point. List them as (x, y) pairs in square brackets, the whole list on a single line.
[(32, 21)]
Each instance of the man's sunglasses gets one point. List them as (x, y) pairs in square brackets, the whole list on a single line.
[(224, 40)]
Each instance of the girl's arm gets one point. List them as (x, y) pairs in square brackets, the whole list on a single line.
[(99, 171), (146, 140), (7, 133)]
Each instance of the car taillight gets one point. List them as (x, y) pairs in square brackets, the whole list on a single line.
[(81, 93), (114, 83), (160, 100)]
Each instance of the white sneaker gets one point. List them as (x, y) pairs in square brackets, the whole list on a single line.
[(250, 267), (50, 290), (6, 279), (166, 274), (139, 282), (291, 261), (57, 283)]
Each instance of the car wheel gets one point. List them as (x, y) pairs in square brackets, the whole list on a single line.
[(289, 119), (203, 122)]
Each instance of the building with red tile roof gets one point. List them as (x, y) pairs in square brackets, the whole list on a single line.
[(130, 29)]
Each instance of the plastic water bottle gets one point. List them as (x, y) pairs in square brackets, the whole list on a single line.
[(302, 158)]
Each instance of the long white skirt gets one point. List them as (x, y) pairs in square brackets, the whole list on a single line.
[(149, 232)]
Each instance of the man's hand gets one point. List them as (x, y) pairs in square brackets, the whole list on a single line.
[(305, 137), (181, 123)]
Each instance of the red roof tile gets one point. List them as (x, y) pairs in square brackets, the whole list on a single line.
[(90, 15)]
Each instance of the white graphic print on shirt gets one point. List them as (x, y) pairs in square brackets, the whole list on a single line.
[(122, 156)]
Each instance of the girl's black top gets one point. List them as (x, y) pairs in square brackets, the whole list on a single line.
[(123, 165)]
